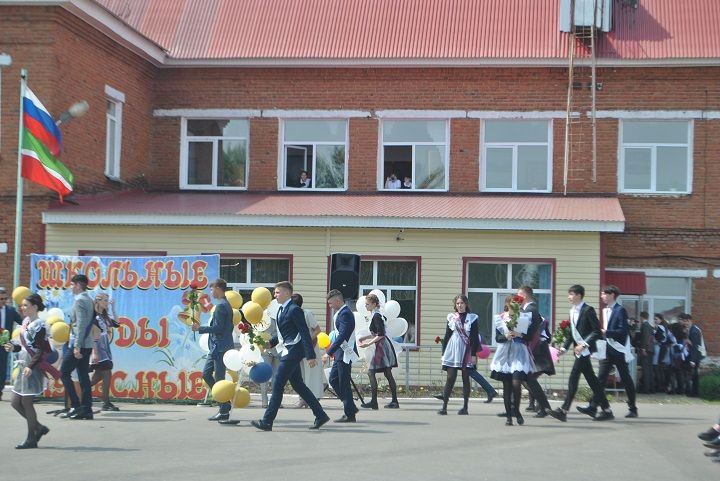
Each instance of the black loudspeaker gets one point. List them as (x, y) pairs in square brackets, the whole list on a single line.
[(345, 274)]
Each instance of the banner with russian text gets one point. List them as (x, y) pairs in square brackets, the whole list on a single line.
[(155, 355)]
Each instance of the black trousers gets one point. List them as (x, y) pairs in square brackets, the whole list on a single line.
[(69, 364), (583, 366), (617, 359), (213, 372)]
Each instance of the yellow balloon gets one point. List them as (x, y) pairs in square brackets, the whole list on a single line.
[(253, 312), (15, 333), (223, 391), (237, 317), (323, 340), (234, 298), (242, 398), (60, 332), (53, 319), (233, 375), (20, 293), (262, 296)]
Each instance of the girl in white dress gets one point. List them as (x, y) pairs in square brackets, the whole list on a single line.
[(460, 344)]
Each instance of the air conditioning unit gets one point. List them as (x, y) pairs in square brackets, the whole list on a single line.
[(587, 14)]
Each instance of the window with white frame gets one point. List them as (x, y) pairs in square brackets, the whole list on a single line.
[(414, 155), (655, 156), (244, 274), (669, 296), (113, 131), (488, 283), (314, 154), (516, 156), (214, 154), (398, 280)]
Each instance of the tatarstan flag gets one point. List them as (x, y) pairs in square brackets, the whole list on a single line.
[(41, 144)]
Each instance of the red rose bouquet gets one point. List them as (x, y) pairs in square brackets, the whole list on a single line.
[(514, 312), (561, 333)]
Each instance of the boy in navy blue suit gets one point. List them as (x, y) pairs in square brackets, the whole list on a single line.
[(345, 352)]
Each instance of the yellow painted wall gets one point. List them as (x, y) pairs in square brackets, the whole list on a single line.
[(577, 258)]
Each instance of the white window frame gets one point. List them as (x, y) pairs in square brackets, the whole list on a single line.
[(647, 301), (112, 165), (498, 292), (249, 286), (653, 158), (484, 145), (282, 164), (383, 144), (389, 288), (185, 140)]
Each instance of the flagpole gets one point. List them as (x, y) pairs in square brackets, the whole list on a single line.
[(20, 184)]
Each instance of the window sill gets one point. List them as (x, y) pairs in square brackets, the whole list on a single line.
[(213, 188), (655, 194), (115, 179), (515, 191), (312, 189), (413, 190)]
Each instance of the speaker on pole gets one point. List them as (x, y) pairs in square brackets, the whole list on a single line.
[(345, 274)]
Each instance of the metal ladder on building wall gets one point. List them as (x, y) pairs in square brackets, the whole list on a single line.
[(580, 125)]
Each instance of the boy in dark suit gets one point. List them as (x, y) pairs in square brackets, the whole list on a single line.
[(343, 349)]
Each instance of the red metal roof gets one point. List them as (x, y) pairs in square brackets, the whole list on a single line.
[(398, 206), (412, 29)]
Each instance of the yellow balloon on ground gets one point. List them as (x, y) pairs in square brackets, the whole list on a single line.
[(223, 391), (20, 293), (237, 317), (253, 312), (60, 332), (242, 398), (323, 340), (262, 296), (234, 298), (15, 333), (53, 319)]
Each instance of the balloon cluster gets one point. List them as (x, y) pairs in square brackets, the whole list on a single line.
[(58, 329)]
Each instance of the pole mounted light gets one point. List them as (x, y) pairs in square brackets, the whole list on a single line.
[(78, 109)]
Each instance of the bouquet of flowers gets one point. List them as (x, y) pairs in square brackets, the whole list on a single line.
[(258, 339), (4, 337), (561, 333), (514, 312), (196, 302)]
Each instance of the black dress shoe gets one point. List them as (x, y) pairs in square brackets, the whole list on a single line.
[(371, 405), (345, 419), (28, 444), (502, 414), (712, 454), (558, 414), (42, 432), (509, 422), (82, 415), (519, 417), (319, 422), (604, 416), (632, 414), (540, 414), (392, 405), (442, 412), (490, 398), (220, 417), (261, 425), (587, 410), (69, 413), (463, 412), (709, 435), (714, 444), (531, 408)]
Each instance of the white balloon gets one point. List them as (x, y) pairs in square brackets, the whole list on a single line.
[(361, 322), (360, 306), (56, 312), (273, 308), (43, 315), (250, 354), (380, 295), (397, 327), (266, 322), (232, 360), (204, 341), (392, 310), (244, 339)]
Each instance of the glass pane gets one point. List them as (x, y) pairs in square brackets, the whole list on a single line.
[(516, 131), (397, 273), (217, 127), (111, 108), (366, 273), (481, 303), (498, 172), (544, 306), (537, 276), (234, 271), (232, 162), (487, 276), (414, 131), (330, 167), (667, 286), (111, 126), (407, 301), (532, 167), (631, 305), (315, 131), (200, 163), (637, 168), (671, 169), (669, 308), (269, 271), (397, 165), (429, 167), (654, 132), (298, 158)]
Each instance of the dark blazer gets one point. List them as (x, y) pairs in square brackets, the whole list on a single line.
[(617, 326), (647, 337), (588, 327), (220, 330), (11, 317), (290, 323), (474, 337), (535, 322), (345, 325), (695, 336)]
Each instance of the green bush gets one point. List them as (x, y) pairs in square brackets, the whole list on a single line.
[(710, 386)]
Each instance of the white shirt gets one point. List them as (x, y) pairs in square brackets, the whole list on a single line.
[(574, 316), (392, 184)]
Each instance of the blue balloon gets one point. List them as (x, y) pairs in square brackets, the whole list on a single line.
[(52, 357), (261, 372)]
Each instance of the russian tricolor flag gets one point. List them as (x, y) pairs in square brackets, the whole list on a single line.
[(41, 145)]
